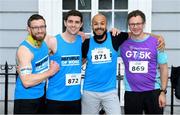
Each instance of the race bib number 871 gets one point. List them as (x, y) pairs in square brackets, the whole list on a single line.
[(101, 55), (138, 66)]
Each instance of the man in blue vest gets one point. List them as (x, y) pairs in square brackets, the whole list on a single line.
[(64, 88), (34, 68), (101, 51)]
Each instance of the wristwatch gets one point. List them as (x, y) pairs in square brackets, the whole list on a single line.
[(163, 90)]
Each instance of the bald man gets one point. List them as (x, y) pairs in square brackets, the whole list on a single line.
[(100, 52)]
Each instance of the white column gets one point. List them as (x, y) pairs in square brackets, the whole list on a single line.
[(146, 7), (51, 10)]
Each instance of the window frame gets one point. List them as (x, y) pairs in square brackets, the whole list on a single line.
[(53, 13)]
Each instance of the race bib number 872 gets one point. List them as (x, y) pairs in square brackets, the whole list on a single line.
[(73, 79)]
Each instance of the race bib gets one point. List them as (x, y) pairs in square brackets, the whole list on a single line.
[(101, 55), (73, 79), (138, 66)]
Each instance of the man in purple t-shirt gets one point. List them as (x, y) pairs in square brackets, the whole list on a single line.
[(145, 89)]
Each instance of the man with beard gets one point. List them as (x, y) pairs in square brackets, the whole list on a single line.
[(100, 52), (34, 68)]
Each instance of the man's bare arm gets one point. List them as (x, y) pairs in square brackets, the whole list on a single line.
[(164, 81), (28, 79)]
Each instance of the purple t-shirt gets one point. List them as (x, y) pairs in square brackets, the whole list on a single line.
[(140, 60)]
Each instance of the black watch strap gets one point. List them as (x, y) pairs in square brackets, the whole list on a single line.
[(164, 90)]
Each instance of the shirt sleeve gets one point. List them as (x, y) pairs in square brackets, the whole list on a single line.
[(119, 39), (85, 48), (162, 57)]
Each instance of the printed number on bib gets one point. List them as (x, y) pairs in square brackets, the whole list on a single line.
[(138, 66), (101, 54), (73, 79)]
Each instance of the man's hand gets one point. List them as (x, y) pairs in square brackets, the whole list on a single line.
[(83, 35), (162, 100), (161, 45), (161, 42), (115, 31), (54, 67)]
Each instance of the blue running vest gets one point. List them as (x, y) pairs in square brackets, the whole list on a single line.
[(40, 63), (100, 74), (66, 84)]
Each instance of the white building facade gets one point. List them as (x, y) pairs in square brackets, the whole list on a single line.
[(163, 17)]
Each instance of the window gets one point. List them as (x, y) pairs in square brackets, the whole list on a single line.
[(84, 6), (115, 10)]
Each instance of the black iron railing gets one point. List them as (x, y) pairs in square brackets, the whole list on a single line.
[(10, 70), (6, 68)]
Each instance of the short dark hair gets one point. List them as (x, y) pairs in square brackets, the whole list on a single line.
[(73, 13), (136, 13), (34, 17)]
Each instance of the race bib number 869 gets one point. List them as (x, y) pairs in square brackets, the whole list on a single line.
[(138, 66)]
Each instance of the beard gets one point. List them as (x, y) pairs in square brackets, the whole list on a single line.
[(99, 37), (38, 38)]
